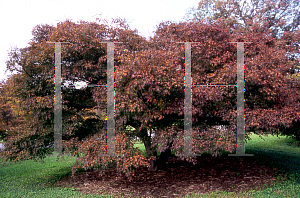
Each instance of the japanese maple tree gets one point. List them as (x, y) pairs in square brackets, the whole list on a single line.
[(149, 90)]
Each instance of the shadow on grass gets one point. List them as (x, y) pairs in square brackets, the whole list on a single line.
[(285, 162)]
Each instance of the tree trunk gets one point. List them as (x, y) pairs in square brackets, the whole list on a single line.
[(150, 152), (160, 162)]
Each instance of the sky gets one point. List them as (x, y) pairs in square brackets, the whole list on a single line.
[(18, 17)]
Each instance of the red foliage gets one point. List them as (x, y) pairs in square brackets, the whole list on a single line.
[(149, 82)]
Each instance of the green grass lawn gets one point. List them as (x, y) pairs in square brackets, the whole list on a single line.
[(281, 153), (34, 179)]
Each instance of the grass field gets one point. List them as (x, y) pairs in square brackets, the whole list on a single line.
[(35, 179)]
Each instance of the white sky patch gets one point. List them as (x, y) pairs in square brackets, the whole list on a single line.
[(19, 17)]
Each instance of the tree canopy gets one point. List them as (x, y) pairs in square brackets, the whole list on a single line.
[(277, 15)]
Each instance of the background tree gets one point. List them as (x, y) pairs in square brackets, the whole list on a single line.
[(277, 15), (10, 106), (6, 114)]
